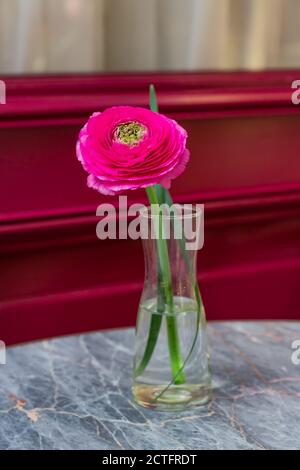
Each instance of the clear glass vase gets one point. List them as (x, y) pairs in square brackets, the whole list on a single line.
[(171, 364)]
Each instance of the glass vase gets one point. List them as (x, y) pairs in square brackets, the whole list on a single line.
[(171, 363)]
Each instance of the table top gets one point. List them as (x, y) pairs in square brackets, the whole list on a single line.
[(74, 393)]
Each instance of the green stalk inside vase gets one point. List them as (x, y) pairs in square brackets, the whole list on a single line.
[(159, 195), (165, 291)]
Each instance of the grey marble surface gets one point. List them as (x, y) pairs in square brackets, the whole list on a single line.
[(74, 393)]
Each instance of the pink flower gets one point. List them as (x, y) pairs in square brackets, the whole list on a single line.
[(128, 148)]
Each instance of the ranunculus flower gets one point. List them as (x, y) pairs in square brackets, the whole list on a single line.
[(127, 147)]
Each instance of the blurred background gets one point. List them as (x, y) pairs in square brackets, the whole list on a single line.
[(46, 36), (224, 69)]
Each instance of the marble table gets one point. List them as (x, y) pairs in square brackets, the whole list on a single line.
[(74, 393)]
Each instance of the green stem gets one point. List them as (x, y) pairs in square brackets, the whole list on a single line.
[(154, 328), (162, 196), (200, 318), (156, 320), (155, 325), (163, 256)]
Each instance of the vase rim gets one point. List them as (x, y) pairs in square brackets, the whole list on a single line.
[(183, 211)]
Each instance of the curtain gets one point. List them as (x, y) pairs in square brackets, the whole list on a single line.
[(130, 35)]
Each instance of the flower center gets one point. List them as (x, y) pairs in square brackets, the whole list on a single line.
[(129, 133)]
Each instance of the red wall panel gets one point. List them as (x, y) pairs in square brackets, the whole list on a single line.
[(56, 277)]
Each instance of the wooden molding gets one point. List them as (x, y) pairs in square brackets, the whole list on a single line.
[(56, 277)]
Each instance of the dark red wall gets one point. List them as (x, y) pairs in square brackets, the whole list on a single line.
[(56, 277)]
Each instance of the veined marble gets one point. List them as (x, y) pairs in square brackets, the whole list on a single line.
[(75, 393)]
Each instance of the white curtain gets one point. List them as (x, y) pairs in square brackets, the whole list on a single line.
[(127, 35)]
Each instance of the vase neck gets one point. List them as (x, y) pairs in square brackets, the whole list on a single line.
[(168, 257)]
